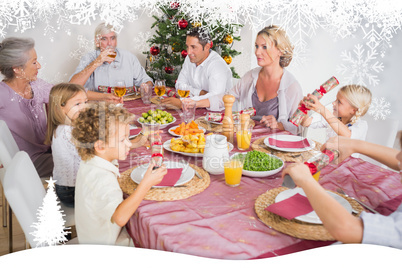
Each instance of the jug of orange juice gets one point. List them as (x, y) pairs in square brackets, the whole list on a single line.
[(243, 132)]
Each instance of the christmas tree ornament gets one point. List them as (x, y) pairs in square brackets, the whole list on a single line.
[(212, 44), (184, 53), (182, 24), (175, 47), (228, 39), (196, 24), (174, 5), (169, 69), (154, 50), (227, 59)]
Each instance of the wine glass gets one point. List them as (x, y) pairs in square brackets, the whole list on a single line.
[(112, 54), (183, 91), (160, 90), (119, 89)]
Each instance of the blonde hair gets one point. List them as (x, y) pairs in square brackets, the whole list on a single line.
[(94, 123), (279, 38), (102, 29), (359, 97), (59, 95)]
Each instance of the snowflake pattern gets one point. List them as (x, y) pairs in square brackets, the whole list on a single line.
[(379, 108), (140, 41), (84, 46), (360, 67)]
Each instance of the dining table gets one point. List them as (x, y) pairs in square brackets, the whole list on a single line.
[(221, 222)]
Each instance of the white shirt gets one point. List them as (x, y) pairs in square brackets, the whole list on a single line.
[(97, 195), (126, 66), (212, 75), (65, 157), (358, 129), (289, 95)]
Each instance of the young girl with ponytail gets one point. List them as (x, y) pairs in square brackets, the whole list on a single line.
[(352, 102)]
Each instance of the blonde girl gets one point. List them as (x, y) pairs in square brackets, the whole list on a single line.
[(65, 103), (352, 102)]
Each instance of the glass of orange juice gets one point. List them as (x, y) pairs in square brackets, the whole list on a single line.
[(233, 168), (244, 137)]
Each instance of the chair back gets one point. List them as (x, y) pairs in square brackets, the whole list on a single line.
[(24, 192), (8, 146), (381, 132)]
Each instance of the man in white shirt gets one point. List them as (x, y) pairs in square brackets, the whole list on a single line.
[(204, 73)]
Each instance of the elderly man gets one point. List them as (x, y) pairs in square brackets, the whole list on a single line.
[(204, 73), (98, 69)]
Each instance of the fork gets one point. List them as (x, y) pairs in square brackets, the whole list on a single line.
[(339, 190)]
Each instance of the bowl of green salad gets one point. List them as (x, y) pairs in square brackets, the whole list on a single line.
[(259, 164)]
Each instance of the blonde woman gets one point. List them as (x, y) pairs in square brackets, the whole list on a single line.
[(65, 103), (352, 102), (272, 90)]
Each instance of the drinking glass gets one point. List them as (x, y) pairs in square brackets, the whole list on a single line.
[(112, 54), (243, 136), (146, 92), (160, 88), (183, 91), (188, 107), (233, 168), (119, 89)]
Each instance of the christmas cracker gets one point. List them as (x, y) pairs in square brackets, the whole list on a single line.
[(320, 161), (218, 117), (302, 110)]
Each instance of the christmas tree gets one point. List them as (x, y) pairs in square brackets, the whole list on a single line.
[(50, 229), (168, 46)]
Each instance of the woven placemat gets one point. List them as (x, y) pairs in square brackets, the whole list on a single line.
[(214, 127), (259, 145), (194, 186), (131, 97), (294, 227)]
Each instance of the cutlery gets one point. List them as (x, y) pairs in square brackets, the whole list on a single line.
[(198, 174), (339, 190)]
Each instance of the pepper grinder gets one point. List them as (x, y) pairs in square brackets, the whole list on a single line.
[(227, 122)]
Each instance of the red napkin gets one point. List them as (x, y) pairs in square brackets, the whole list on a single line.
[(134, 131), (172, 176), (292, 207), (289, 144)]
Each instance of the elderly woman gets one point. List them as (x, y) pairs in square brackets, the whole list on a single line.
[(23, 99), (98, 69), (270, 88)]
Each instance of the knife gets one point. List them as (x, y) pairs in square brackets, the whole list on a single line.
[(198, 174)]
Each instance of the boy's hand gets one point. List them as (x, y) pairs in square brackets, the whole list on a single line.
[(316, 106), (153, 177), (299, 172)]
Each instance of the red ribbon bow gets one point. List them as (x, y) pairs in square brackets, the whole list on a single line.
[(312, 167)]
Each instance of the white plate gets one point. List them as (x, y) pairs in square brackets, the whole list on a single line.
[(166, 146), (161, 126), (174, 134), (289, 138), (261, 174), (188, 172), (312, 216)]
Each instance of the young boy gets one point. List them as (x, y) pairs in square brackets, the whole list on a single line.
[(100, 134)]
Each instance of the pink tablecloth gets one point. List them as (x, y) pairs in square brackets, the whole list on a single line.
[(221, 223)]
